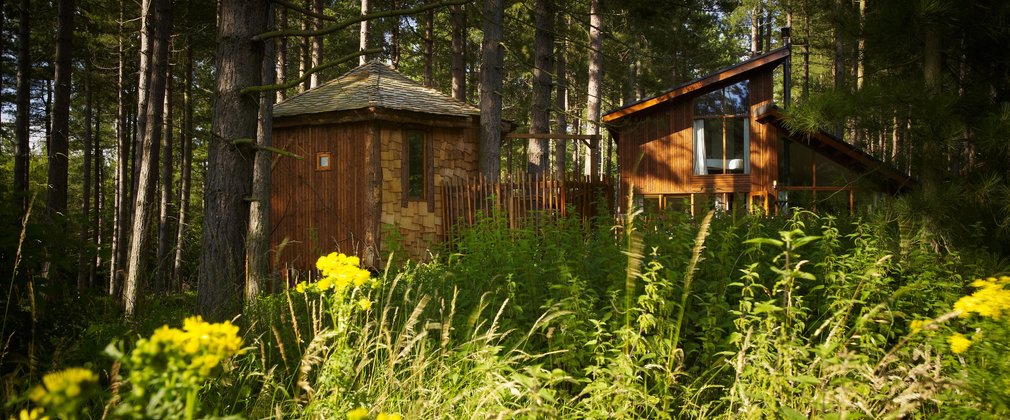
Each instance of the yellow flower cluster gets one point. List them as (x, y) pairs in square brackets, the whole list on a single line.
[(361, 413), (63, 389), (196, 350), (992, 299), (339, 272), (33, 414), (958, 343)]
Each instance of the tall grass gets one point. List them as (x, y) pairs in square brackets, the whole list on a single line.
[(663, 317)]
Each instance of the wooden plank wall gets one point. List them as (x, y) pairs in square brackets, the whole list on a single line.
[(664, 138), (317, 212)]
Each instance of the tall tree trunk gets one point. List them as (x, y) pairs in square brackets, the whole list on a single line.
[(540, 120), (59, 148), (492, 63), (394, 40), (282, 52), (593, 87), (303, 48), (258, 237), (97, 232), (429, 47), (363, 32), (317, 41), (83, 260), (120, 223), (806, 49), (229, 163), (755, 32), (458, 15), (160, 26), (22, 147), (186, 169), (166, 210), (560, 147)]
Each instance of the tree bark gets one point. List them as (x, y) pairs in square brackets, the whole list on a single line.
[(83, 260), (186, 169), (282, 52), (159, 35), (317, 43), (537, 150), (303, 56), (98, 200), (560, 149), (755, 32), (258, 237), (22, 147), (229, 162), (394, 40), (59, 147), (363, 33), (166, 209), (123, 183), (492, 62), (429, 47), (458, 15), (593, 88)]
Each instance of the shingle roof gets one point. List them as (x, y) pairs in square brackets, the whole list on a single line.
[(373, 84)]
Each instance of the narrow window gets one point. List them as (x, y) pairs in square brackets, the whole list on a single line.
[(416, 162), (324, 161), (722, 131)]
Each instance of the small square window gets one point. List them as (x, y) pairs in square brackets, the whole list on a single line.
[(323, 161)]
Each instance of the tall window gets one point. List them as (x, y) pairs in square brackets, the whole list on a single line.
[(722, 131), (416, 161)]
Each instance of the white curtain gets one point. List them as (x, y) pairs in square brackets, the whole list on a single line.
[(700, 163)]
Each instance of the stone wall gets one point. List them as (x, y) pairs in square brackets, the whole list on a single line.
[(454, 156)]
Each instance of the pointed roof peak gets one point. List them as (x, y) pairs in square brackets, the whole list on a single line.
[(373, 84)]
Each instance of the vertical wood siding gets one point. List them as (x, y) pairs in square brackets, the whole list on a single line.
[(656, 150), (318, 212)]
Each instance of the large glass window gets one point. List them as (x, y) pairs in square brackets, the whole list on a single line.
[(722, 131)]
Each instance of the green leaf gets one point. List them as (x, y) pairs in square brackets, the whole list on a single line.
[(768, 241), (804, 379), (791, 413)]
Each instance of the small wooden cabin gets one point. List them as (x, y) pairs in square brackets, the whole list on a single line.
[(375, 147), (720, 139)]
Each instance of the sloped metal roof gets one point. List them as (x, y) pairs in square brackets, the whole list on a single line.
[(373, 84)]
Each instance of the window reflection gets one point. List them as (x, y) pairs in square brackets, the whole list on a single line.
[(722, 133)]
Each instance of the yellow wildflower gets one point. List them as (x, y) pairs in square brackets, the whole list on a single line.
[(64, 390), (391, 416), (917, 325), (958, 343), (359, 413), (34, 414), (992, 299), (365, 304), (300, 287)]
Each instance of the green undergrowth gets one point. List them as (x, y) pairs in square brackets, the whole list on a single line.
[(806, 316)]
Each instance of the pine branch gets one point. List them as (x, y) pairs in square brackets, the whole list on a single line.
[(338, 26), (304, 11), (300, 79)]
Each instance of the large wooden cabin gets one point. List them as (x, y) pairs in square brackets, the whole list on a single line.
[(375, 147), (720, 140)]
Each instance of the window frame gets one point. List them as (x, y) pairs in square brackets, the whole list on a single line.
[(329, 161), (725, 117), (427, 169)]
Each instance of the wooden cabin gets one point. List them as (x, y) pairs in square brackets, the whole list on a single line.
[(720, 141), (374, 147)]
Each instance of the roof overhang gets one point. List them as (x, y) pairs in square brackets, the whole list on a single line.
[(840, 152), (376, 113), (770, 59)]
